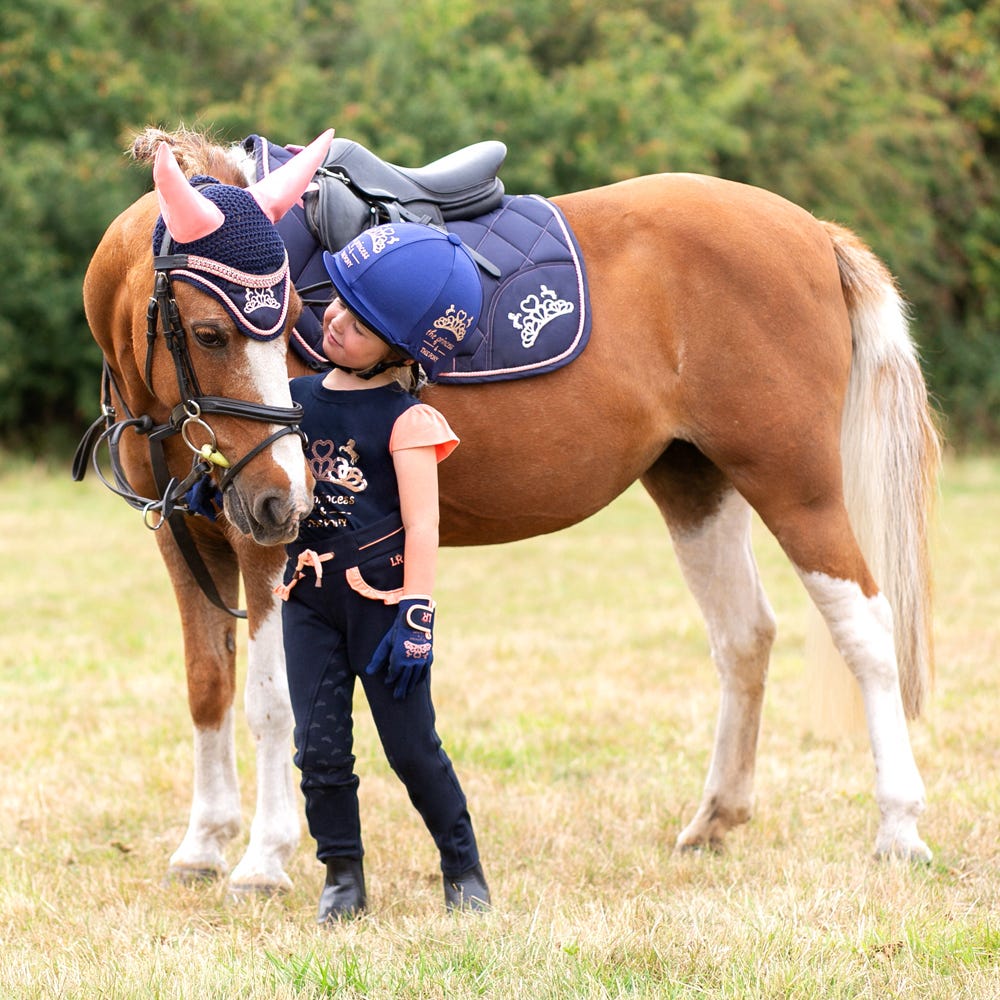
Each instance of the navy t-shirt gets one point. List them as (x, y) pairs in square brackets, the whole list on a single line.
[(349, 433)]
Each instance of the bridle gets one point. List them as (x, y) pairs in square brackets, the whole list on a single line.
[(196, 492)]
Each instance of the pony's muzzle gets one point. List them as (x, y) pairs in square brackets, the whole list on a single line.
[(271, 517)]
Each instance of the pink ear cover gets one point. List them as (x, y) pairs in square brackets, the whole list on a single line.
[(187, 214), (281, 189)]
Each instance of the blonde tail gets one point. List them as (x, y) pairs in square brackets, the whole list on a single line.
[(891, 452)]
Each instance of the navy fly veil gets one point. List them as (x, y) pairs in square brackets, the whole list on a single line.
[(536, 314)]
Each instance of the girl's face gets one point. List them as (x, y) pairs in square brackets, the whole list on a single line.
[(348, 342)]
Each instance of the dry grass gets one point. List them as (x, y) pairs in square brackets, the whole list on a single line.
[(575, 694)]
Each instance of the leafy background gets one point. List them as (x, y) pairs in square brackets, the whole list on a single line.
[(881, 115)]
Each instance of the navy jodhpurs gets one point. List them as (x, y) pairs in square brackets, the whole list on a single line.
[(330, 634)]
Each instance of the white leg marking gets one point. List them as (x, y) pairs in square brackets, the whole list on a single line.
[(861, 628), (215, 805), (719, 567), (276, 827)]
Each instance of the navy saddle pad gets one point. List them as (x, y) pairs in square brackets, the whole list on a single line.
[(536, 315)]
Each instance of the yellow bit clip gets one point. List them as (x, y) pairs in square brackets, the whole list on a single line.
[(215, 457)]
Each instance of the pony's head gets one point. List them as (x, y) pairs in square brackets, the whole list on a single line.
[(226, 276)]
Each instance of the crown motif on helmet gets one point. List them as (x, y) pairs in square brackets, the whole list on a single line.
[(382, 236), (454, 321)]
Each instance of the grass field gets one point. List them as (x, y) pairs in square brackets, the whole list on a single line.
[(576, 697)]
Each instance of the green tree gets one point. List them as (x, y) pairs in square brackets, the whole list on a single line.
[(963, 71), (59, 113)]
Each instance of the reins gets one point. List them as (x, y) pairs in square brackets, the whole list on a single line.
[(178, 498)]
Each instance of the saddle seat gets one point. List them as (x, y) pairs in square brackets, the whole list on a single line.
[(357, 189)]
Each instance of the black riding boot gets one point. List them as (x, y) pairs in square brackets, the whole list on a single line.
[(467, 891), (344, 893)]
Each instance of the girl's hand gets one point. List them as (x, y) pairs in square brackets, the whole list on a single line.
[(406, 651)]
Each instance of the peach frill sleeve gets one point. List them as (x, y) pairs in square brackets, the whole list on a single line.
[(420, 426)]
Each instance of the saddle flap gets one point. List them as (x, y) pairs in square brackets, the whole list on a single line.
[(335, 214)]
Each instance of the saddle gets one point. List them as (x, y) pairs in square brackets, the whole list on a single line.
[(356, 189)]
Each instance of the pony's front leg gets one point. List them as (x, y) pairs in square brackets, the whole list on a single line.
[(276, 826), (215, 805), (210, 664), (720, 570)]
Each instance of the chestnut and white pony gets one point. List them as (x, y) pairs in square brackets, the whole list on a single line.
[(744, 357)]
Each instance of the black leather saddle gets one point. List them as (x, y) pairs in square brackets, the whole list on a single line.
[(356, 189)]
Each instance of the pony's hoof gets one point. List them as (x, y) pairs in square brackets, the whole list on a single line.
[(191, 876), (700, 837), (916, 851), (898, 837), (714, 845), (245, 891)]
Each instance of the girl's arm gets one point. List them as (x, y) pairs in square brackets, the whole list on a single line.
[(405, 652), (417, 479)]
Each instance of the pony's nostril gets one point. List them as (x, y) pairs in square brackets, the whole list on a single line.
[(274, 510)]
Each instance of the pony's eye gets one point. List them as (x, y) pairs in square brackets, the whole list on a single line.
[(211, 337)]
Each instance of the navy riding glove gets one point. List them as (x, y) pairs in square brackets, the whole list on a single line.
[(406, 651)]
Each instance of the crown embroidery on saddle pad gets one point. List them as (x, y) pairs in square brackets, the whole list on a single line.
[(536, 312), (242, 265), (536, 315)]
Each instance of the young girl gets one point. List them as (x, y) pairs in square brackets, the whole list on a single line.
[(360, 576)]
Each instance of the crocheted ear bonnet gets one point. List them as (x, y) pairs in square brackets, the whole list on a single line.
[(225, 237), (243, 264)]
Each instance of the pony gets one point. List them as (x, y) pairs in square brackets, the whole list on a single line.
[(744, 356)]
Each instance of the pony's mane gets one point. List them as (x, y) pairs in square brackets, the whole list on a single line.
[(196, 153)]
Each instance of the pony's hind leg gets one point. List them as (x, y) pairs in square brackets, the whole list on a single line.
[(862, 629), (819, 540), (710, 526)]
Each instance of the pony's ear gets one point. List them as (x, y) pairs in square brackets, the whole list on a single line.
[(187, 213), (281, 189)]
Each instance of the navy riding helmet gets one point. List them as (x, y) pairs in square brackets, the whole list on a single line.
[(415, 286)]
